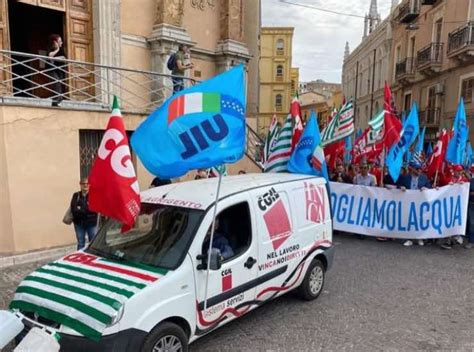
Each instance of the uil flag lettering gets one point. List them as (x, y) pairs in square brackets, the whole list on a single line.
[(200, 127), (114, 190)]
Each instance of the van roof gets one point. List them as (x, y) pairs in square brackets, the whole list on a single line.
[(200, 194)]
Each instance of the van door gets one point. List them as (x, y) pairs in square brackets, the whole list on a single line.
[(231, 289)]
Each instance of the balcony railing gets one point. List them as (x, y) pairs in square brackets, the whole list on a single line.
[(404, 68), (461, 38), (430, 117), (432, 54), (409, 11), (38, 80)]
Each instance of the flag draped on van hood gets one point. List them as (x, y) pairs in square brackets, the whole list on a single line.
[(82, 291)]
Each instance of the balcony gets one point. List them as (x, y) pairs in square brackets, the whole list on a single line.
[(430, 58), (409, 11), (405, 71), (35, 80), (430, 117), (461, 43)]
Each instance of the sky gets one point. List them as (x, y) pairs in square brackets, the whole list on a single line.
[(319, 38)]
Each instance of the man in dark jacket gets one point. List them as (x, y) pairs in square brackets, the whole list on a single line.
[(85, 221)]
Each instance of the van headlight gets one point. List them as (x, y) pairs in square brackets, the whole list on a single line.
[(117, 316)]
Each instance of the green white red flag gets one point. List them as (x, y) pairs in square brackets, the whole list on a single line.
[(281, 151), (340, 126), (272, 137)]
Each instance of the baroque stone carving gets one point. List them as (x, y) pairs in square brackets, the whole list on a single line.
[(170, 12), (201, 4)]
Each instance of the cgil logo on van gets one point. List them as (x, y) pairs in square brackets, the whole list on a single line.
[(226, 279), (275, 217), (267, 199)]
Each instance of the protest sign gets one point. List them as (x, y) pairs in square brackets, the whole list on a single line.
[(393, 213)]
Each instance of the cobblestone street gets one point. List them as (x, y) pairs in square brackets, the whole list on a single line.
[(378, 296)]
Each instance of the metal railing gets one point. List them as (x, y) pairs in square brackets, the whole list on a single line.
[(461, 37), (432, 54), (40, 77), (254, 148), (405, 67), (430, 117), (34, 79)]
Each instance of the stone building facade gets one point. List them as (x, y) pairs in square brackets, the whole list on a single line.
[(366, 68), (277, 76), (117, 47), (432, 60)]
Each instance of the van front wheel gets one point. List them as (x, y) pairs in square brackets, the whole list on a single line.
[(166, 337), (313, 282)]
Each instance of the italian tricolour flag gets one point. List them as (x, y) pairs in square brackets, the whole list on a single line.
[(194, 103)]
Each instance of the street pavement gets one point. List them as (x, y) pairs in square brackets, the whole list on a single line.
[(378, 296)]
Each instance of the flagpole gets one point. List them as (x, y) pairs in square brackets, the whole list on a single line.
[(436, 179), (383, 166), (212, 237)]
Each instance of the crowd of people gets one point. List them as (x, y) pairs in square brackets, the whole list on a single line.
[(369, 173)]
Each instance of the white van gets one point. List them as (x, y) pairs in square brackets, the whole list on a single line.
[(145, 290)]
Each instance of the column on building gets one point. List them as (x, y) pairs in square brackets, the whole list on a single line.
[(231, 49), (167, 34), (107, 47)]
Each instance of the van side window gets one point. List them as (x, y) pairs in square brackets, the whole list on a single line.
[(233, 234)]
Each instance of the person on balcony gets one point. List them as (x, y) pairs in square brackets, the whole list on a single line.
[(55, 50), (183, 63)]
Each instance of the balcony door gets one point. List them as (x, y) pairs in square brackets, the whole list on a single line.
[(25, 26), (431, 108)]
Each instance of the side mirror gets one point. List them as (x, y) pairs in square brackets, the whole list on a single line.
[(215, 260)]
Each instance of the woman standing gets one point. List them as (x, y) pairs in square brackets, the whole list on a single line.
[(55, 50)]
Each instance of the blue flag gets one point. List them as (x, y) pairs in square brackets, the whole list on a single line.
[(308, 156), (468, 155), (429, 150), (457, 144), (199, 127), (410, 131), (347, 149)]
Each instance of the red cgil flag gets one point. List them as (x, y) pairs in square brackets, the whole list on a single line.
[(435, 162), (114, 190), (392, 125), (295, 111)]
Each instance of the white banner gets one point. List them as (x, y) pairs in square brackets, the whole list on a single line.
[(393, 213)]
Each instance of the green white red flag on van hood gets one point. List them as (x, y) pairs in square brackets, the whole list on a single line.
[(82, 291)]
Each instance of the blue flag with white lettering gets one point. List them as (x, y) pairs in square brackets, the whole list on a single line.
[(457, 144), (308, 156), (199, 127), (410, 131)]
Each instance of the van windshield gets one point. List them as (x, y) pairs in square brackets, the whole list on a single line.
[(160, 238)]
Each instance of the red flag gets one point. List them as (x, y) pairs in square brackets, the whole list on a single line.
[(334, 152), (363, 150), (114, 190), (435, 162), (392, 125), (295, 112)]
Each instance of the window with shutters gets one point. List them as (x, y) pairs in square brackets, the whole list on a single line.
[(279, 73), (467, 90), (278, 102), (280, 47)]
